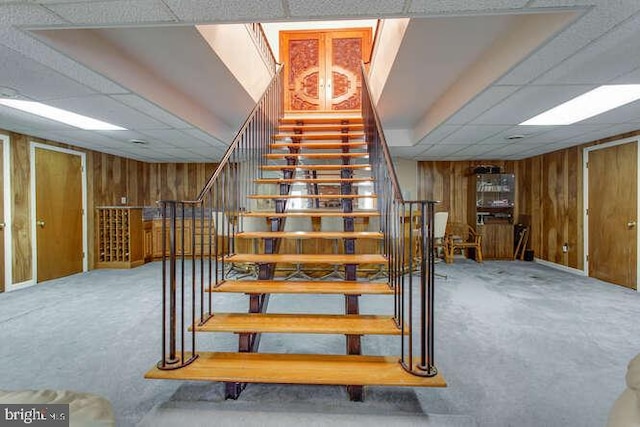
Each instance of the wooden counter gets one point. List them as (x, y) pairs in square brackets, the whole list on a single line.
[(497, 240)]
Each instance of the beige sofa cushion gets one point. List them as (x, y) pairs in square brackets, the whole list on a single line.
[(626, 409), (84, 409)]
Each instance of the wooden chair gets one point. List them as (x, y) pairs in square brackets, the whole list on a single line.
[(462, 236)]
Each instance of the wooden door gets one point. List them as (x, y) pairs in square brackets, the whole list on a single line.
[(2, 224), (612, 214), (58, 178), (323, 68)]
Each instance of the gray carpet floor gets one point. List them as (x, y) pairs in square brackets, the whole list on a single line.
[(520, 344)]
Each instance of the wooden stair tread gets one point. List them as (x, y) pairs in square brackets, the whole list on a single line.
[(308, 258), (312, 213), (312, 196), (318, 145), (303, 287), (309, 235), (310, 180), (330, 136), (315, 155), (316, 167), (297, 369), (320, 120), (344, 324), (320, 127)]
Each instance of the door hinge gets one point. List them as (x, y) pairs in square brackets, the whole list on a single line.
[(83, 255), (586, 165), (587, 211), (587, 258)]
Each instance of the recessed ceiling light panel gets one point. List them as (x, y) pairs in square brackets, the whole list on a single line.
[(59, 115), (592, 103)]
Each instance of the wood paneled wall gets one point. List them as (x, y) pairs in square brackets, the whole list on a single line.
[(548, 197), (448, 182), (109, 178), (550, 202)]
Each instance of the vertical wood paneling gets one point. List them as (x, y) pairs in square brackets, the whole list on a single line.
[(108, 179), (448, 183), (20, 205)]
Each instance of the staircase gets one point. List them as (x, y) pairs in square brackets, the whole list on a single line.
[(311, 166)]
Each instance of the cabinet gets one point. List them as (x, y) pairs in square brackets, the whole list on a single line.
[(491, 212), (120, 237), (147, 226), (492, 197)]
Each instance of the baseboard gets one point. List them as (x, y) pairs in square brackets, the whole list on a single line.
[(560, 267), (21, 285)]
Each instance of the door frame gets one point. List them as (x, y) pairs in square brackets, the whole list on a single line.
[(5, 141), (83, 171), (585, 198)]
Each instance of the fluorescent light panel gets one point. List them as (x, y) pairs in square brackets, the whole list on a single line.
[(59, 115), (592, 103)]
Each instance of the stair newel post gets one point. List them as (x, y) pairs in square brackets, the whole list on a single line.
[(193, 279), (427, 280), (213, 250), (172, 282), (202, 262)]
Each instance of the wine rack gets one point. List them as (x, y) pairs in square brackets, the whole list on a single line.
[(120, 237)]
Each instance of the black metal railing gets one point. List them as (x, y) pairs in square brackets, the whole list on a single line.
[(408, 245), (198, 234), (260, 39)]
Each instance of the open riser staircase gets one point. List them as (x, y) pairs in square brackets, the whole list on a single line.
[(288, 185)]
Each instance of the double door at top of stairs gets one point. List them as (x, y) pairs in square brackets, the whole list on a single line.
[(322, 68)]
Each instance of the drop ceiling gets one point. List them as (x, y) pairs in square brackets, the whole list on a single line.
[(440, 102)]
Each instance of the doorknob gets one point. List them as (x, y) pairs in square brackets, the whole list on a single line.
[(329, 83), (321, 83), (2, 224), (40, 224), (631, 224)]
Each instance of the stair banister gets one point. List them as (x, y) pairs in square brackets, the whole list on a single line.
[(397, 215), (189, 257)]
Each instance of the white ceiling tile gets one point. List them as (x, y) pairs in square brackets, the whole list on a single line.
[(626, 113), (39, 52), (471, 134), (35, 81), (633, 77), (443, 149), (25, 14), (477, 150), (540, 134), (602, 60), (529, 102), (609, 132), (205, 137), (481, 103), (202, 11), (333, 8), (206, 153), (11, 116), (114, 12), (176, 138), (152, 110), (107, 109), (588, 27), (449, 6), (89, 138), (438, 134)]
